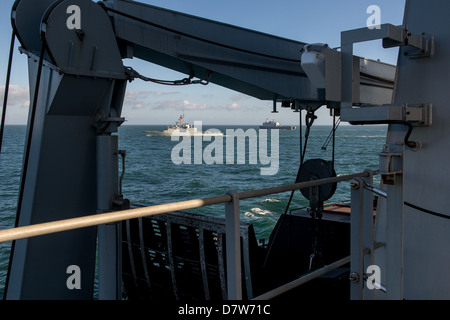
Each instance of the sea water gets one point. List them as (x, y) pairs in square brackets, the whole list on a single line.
[(151, 177)]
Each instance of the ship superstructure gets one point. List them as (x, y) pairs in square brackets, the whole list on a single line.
[(272, 124)]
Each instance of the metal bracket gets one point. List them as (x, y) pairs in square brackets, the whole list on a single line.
[(101, 120), (390, 163), (418, 115), (420, 46), (393, 36), (114, 119)]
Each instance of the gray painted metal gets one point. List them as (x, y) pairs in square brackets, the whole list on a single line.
[(425, 171), (260, 65), (83, 52), (109, 235), (356, 243), (413, 221), (61, 176), (254, 63), (61, 151), (395, 237), (233, 244), (351, 89), (417, 115), (362, 237), (26, 19)]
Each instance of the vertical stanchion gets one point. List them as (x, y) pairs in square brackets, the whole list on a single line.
[(347, 76), (233, 247), (394, 239), (109, 258), (362, 236), (356, 240), (368, 231)]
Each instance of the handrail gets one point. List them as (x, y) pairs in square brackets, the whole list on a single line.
[(311, 276), (302, 280), (116, 216), (301, 185)]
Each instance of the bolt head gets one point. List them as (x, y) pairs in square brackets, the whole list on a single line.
[(354, 277), (354, 185)]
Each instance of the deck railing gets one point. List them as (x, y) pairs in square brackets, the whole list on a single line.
[(232, 222)]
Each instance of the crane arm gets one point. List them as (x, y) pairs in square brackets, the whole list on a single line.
[(254, 63), (261, 65)]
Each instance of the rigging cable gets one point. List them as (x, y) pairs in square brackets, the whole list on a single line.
[(335, 126), (334, 139), (5, 96), (5, 102), (406, 141), (302, 153), (440, 215), (301, 134), (309, 120), (316, 257), (31, 126), (134, 74)]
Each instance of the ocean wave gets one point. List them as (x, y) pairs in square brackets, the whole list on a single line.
[(271, 200), (257, 213)]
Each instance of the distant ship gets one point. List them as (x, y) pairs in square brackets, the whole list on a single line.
[(272, 124), (181, 128)]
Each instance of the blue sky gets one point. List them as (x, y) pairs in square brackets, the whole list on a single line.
[(301, 20)]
